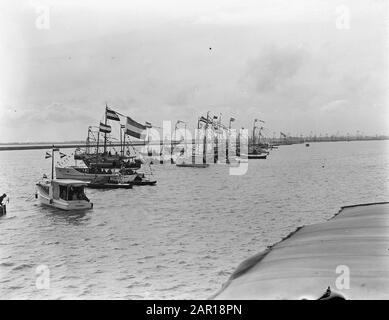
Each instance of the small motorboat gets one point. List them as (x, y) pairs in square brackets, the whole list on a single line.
[(141, 180), (107, 183), (63, 194), (95, 185)]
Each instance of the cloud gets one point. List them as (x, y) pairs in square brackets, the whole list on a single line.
[(275, 67), (335, 106)]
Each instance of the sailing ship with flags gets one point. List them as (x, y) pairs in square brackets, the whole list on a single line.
[(116, 165), (256, 148)]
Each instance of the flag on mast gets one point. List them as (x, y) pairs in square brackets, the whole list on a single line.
[(205, 120), (112, 115), (135, 129), (104, 128)]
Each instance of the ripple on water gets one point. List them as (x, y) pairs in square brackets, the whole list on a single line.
[(184, 237)]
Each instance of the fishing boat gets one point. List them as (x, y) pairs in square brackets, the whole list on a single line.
[(118, 169), (63, 194), (256, 149)]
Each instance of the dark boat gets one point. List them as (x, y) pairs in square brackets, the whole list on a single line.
[(257, 156), (94, 185), (107, 183), (3, 209)]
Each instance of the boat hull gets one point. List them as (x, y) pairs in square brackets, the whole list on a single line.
[(109, 185), (72, 173), (73, 205), (254, 156), (193, 165), (144, 183)]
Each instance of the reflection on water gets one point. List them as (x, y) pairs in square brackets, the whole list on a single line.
[(183, 237)]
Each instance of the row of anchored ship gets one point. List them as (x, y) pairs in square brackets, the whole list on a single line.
[(108, 165)]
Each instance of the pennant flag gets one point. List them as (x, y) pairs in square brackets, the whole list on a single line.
[(104, 128), (112, 115), (148, 125), (62, 155), (135, 129), (205, 120), (48, 155)]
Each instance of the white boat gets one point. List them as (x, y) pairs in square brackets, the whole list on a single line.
[(85, 174), (63, 194)]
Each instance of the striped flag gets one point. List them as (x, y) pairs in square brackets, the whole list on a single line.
[(135, 129), (104, 128), (205, 120), (48, 155), (112, 115), (232, 119), (148, 124)]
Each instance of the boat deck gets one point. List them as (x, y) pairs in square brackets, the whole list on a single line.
[(314, 257)]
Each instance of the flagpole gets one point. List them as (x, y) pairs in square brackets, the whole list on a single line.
[(105, 134), (205, 140), (97, 148), (121, 142), (52, 163)]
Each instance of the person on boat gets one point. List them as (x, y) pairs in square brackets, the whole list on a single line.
[(2, 198)]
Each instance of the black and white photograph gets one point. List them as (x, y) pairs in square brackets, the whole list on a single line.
[(194, 150)]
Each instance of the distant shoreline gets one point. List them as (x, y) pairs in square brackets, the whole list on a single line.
[(79, 144)]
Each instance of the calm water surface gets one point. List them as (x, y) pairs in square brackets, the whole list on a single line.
[(182, 238)]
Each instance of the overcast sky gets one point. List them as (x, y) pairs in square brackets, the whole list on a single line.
[(286, 62)]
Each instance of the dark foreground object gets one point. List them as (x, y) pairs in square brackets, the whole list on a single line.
[(348, 253), (3, 210)]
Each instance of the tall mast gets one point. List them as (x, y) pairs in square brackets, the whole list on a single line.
[(52, 163), (105, 134), (124, 141), (205, 140), (88, 141), (121, 141), (97, 148), (253, 142)]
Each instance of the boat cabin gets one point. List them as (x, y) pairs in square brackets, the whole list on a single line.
[(68, 190)]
